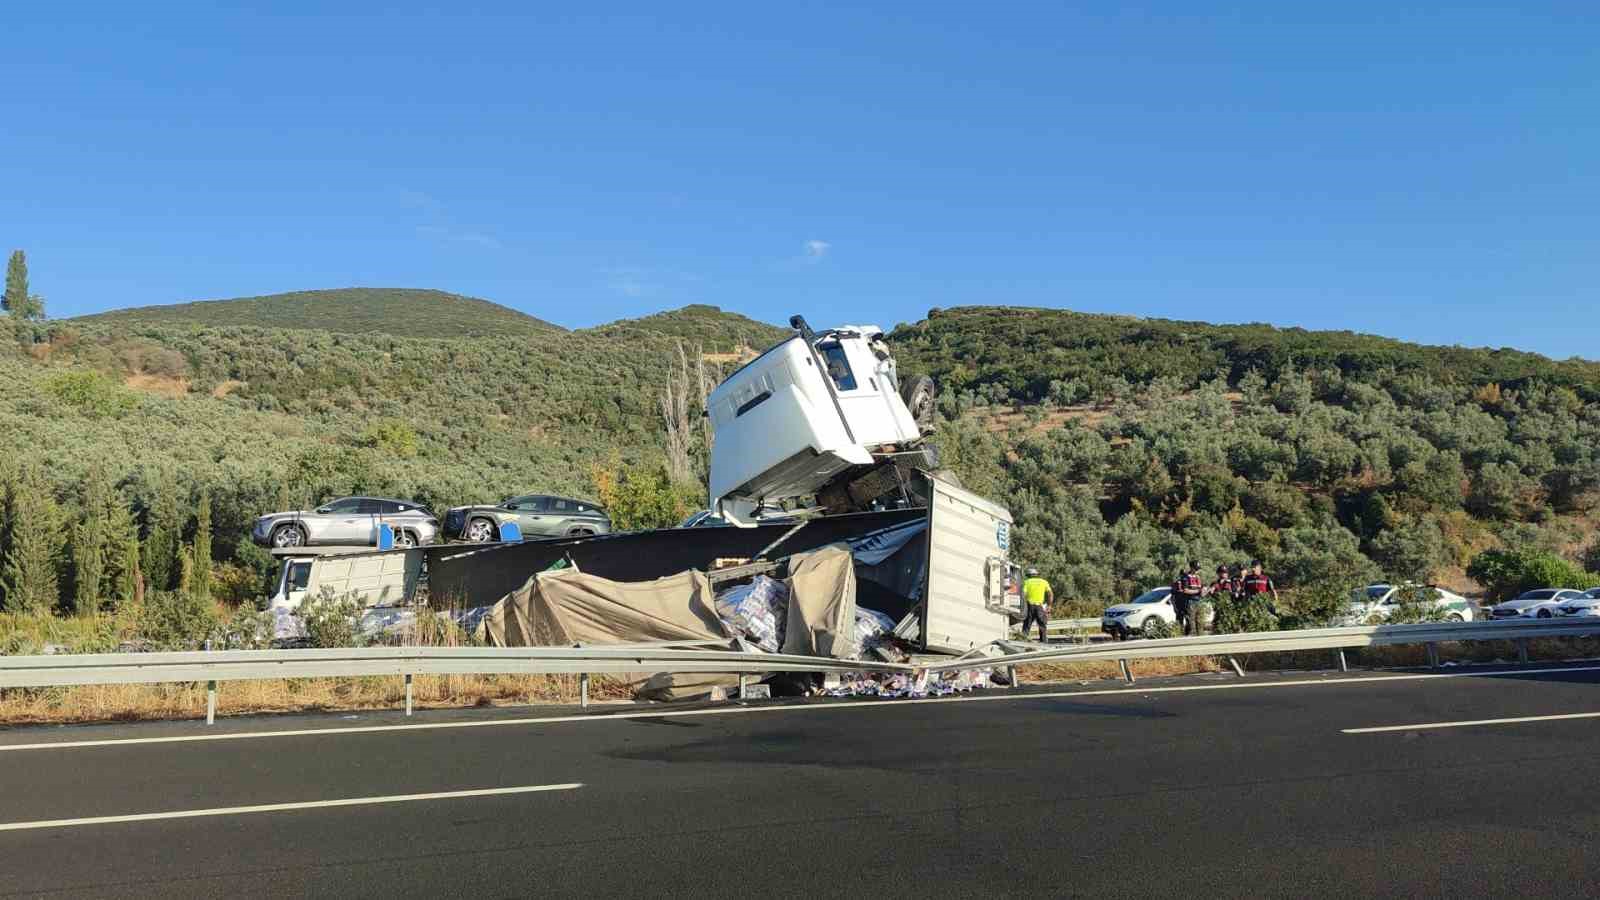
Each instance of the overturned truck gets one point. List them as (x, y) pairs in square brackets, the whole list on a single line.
[(849, 540), (941, 572)]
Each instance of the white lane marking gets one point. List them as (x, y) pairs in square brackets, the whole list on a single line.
[(280, 807), (740, 710), (1468, 724)]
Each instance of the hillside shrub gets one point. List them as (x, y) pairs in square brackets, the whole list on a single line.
[(90, 393), (1507, 573)]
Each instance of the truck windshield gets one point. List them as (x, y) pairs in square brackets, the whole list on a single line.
[(298, 577), (838, 366)]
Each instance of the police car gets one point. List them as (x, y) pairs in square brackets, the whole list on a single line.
[(1374, 604)]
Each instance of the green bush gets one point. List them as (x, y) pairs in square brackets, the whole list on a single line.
[(330, 620), (176, 620), (90, 393), (1414, 603), (1507, 573)]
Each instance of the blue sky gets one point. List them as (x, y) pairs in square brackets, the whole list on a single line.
[(1431, 174)]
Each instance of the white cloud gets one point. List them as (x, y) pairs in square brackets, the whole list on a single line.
[(816, 250)]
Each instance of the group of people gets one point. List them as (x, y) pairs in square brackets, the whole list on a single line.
[(1239, 583)]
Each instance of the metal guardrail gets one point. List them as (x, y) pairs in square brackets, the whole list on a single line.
[(1343, 638), (244, 665), (1090, 624)]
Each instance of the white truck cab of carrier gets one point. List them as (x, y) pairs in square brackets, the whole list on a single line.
[(815, 408)]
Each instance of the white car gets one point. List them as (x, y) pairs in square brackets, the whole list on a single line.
[(1536, 604), (1375, 603), (1144, 614), (1586, 605)]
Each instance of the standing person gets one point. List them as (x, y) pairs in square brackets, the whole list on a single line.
[(1185, 591), (1036, 593), (1221, 593), (1257, 584)]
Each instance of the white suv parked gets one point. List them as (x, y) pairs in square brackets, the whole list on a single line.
[(1143, 614)]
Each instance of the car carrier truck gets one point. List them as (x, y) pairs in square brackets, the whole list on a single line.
[(821, 422)]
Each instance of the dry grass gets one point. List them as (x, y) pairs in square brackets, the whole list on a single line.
[(164, 385), (137, 702), (1107, 670)]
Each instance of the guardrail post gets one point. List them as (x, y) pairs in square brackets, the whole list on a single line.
[(408, 693), (742, 686), (1339, 657), (1127, 670), (211, 703), (1433, 655), (583, 690), (1237, 669), (1522, 650)]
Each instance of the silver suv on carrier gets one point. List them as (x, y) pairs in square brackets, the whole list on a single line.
[(349, 521)]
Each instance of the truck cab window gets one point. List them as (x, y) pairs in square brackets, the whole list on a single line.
[(299, 576), (838, 366)]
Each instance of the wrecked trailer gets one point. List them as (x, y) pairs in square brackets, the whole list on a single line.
[(940, 571)]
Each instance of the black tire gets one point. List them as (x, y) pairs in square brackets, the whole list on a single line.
[(288, 536), (480, 530), (1543, 613), (1148, 631), (581, 532), (1454, 617), (404, 539), (919, 392)]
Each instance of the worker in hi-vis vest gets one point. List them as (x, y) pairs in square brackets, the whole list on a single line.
[(1035, 594)]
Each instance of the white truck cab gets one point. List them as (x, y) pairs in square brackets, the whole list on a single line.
[(806, 412)]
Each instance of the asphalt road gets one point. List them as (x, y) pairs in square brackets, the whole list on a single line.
[(1240, 787)]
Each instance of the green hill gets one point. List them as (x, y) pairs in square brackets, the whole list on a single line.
[(716, 331), (405, 312)]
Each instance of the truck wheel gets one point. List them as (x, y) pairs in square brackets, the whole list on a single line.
[(480, 531), (1152, 627), (288, 536), (918, 393)]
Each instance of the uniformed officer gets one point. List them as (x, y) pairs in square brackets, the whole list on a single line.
[(1036, 593), (1257, 584), (1221, 593), (1185, 591)]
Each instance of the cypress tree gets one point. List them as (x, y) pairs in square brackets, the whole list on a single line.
[(130, 580), (91, 545), (163, 537), (200, 578), (30, 573), (122, 539), (16, 296)]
